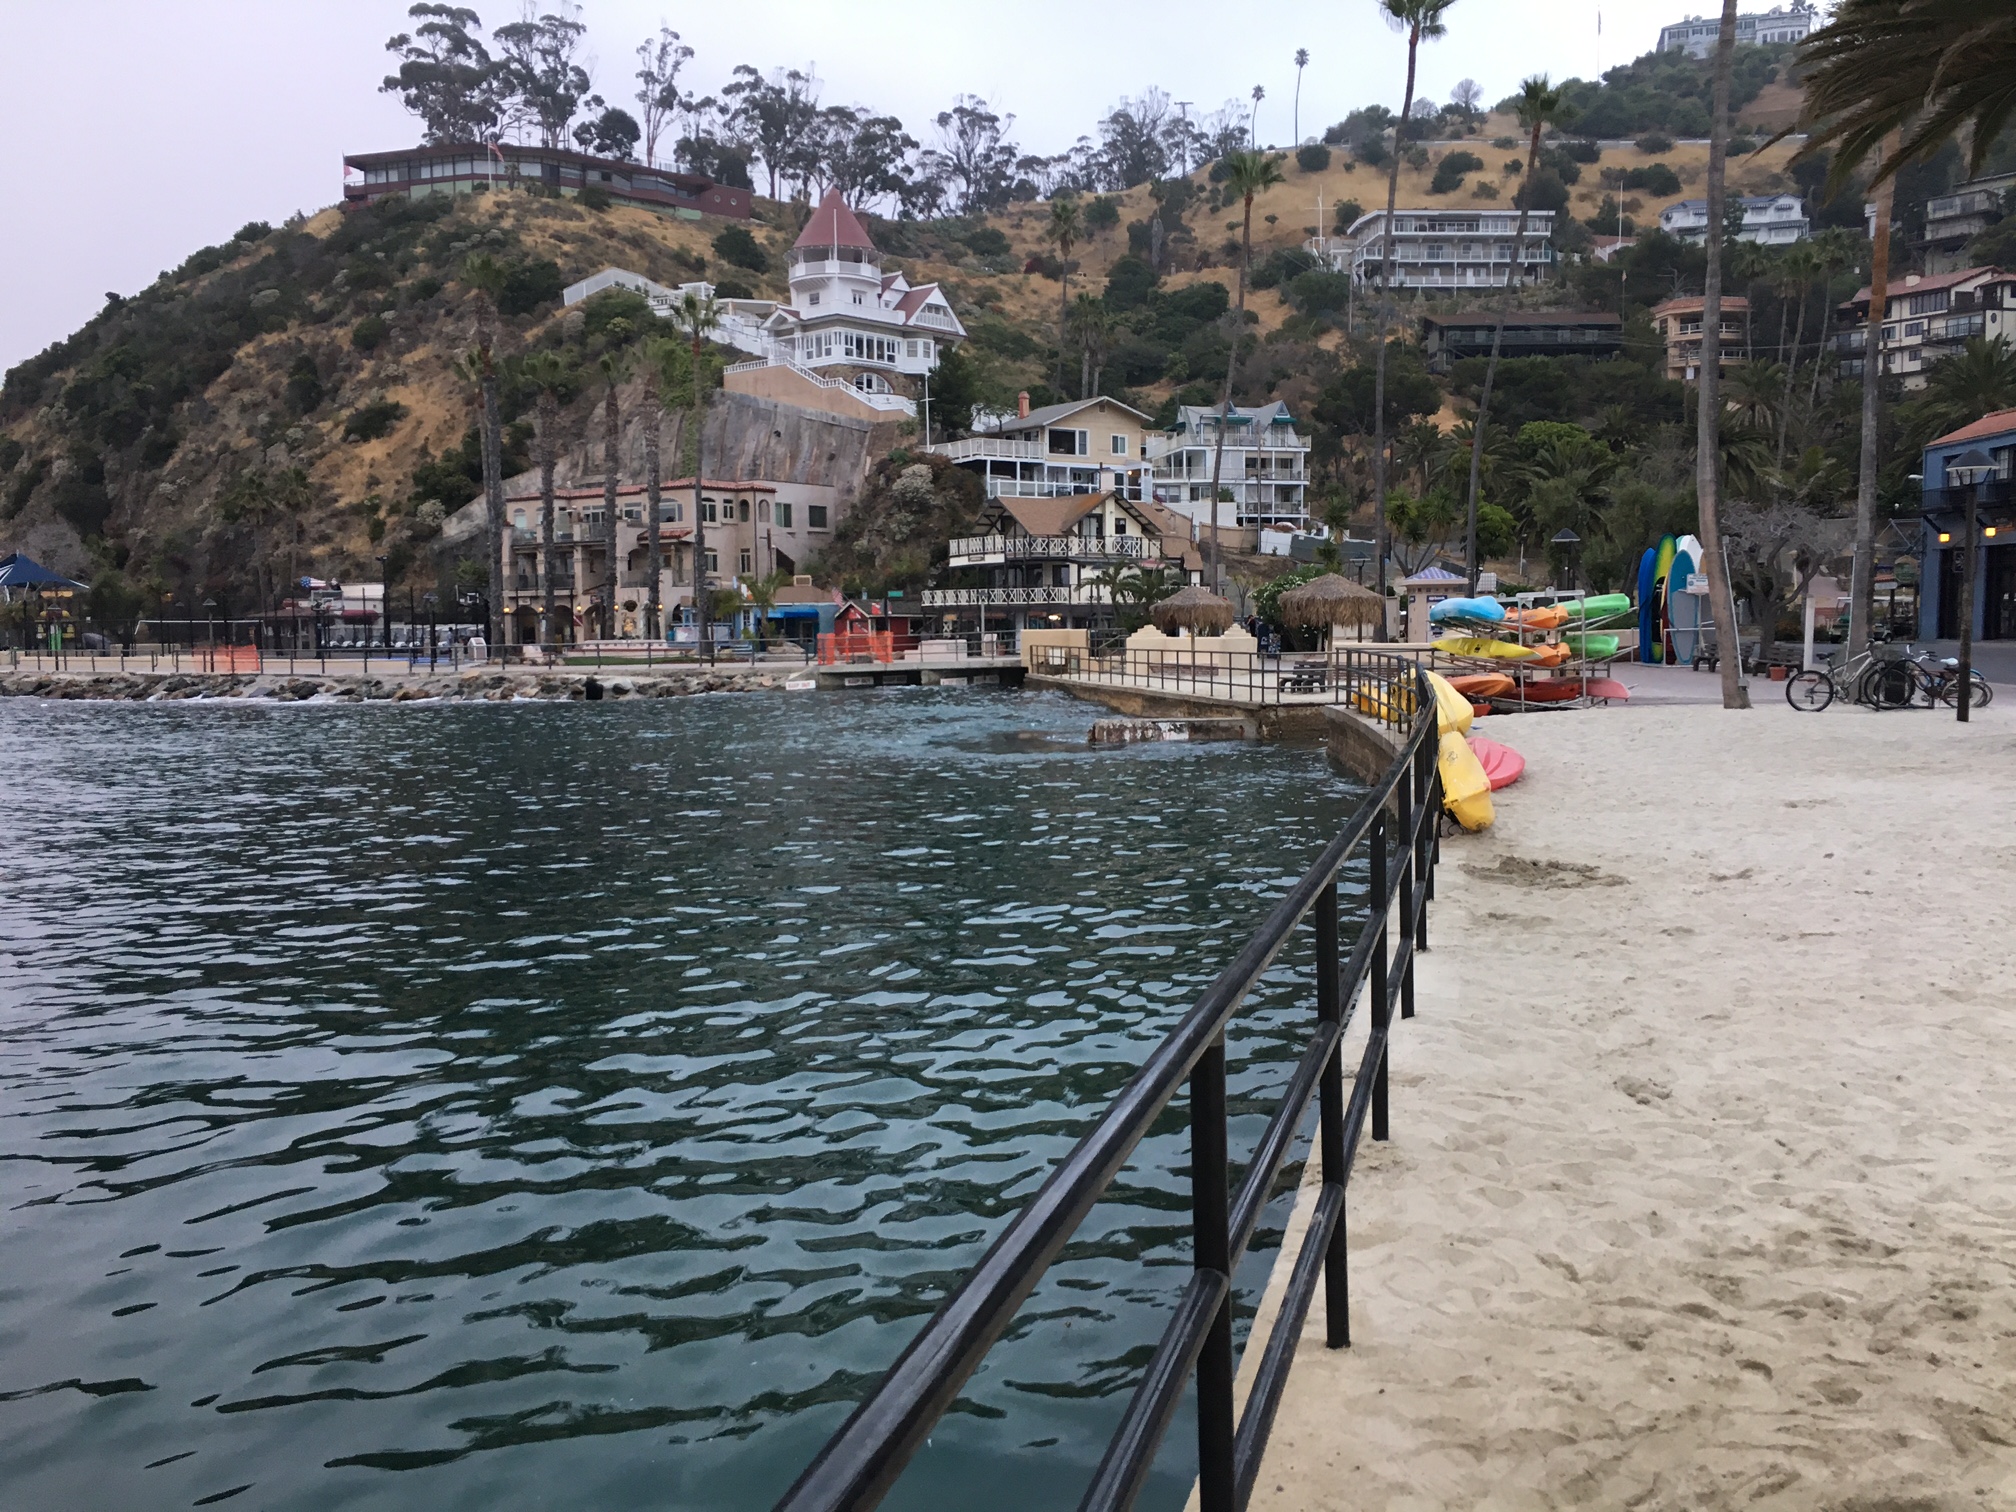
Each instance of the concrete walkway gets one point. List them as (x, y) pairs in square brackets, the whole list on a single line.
[(1700, 1192)]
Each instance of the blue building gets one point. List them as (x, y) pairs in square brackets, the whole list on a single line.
[(1945, 524)]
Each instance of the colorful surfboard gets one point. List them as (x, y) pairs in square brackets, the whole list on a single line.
[(1646, 564), (1661, 573)]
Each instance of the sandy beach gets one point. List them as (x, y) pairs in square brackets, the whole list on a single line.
[(1701, 1190)]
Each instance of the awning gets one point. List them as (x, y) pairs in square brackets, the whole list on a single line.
[(19, 571)]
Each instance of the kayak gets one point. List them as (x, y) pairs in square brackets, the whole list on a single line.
[(1483, 685), (1552, 692), (1476, 645), (1598, 606), (1610, 688), (1466, 609), (1452, 709), (1502, 765), (1466, 791), (1550, 655), (1552, 617), (1592, 647)]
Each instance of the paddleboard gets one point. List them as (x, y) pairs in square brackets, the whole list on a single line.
[(1660, 572), (1676, 595), (1646, 564)]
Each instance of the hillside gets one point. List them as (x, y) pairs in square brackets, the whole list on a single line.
[(288, 401)]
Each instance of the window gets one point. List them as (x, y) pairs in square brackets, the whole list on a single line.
[(784, 513), (865, 348), (1914, 328), (633, 514), (1119, 446), (745, 562), (1119, 525), (814, 298), (815, 517), (763, 511), (1060, 576), (707, 511), (670, 512), (859, 297), (1068, 443), (742, 511), (909, 349), (713, 560)]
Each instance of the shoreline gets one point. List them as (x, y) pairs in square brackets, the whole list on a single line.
[(470, 685)]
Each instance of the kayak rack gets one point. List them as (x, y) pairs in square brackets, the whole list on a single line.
[(1578, 669), (1395, 830)]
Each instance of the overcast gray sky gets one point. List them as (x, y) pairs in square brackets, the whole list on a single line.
[(139, 130)]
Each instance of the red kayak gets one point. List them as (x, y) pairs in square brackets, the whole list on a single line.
[(1550, 692), (1502, 765), (1608, 687)]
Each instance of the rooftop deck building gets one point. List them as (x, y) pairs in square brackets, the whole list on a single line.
[(477, 168)]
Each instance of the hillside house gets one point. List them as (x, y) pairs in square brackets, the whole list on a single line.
[(1085, 446), (475, 168), (1927, 317), (1448, 339), (1678, 322), (1696, 35), (1265, 466), (1770, 220), (1446, 248), (1952, 220)]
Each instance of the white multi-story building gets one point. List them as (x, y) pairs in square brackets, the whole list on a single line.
[(1083, 446), (1265, 467), (1445, 249), (848, 317), (1770, 220), (1697, 35), (1926, 319)]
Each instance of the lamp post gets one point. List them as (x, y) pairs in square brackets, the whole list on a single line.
[(427, 602), (210, 617), (1971, 470), (1567, 540)]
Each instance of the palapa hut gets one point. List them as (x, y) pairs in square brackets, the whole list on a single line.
[(1332, 602), (1198, 610)]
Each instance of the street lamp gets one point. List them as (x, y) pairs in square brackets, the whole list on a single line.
[(1971, 470), (428, 602), (1567, 540), (210, 614)]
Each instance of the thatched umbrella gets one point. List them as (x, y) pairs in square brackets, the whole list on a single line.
[(1331, 601), (1198, 610)]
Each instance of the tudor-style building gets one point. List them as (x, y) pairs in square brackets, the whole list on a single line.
[(1045, 563), (849, 318)]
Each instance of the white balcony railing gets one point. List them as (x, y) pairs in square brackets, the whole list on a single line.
[(1021, 548), (1077, 594), (989, 448)]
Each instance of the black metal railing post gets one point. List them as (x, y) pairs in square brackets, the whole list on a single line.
[(1211, 1236), (1406, 848), (1330, 1134), (1382, 901)]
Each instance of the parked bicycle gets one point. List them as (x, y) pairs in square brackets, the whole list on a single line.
[(1938, 679), (1879, 682)]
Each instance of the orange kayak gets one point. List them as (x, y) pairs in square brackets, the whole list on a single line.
[(1550, 656), (1482, 685), (1552, 617)]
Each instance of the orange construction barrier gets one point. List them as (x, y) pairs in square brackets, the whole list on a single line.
[(234, 659), (836, 646)]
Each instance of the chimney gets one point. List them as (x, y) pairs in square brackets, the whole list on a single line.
[(1022, 405)]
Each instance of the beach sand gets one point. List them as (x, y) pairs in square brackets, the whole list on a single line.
[(1702, 1185)]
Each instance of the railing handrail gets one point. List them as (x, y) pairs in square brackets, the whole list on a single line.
[(862, 1460), (1049, 546)]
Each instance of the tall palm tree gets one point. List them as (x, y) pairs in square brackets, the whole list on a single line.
[(669, 368), (1834, 249), (1062, 233), (1540, 105), (1259, 94), (1756, 394), (696, 317), (1708, 397), (1301, 62), (483, 275), (1422, 21), (1960, 390), (550, 376), (1896, 79), (1247, 175), (1092, 330), (1862, 574), (1802, 266), (615, 365)]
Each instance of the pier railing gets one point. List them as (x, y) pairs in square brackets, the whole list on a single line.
[(1395, 827), (1345, 675)]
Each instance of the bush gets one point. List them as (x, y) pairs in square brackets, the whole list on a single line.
[(1313, 158), (1282, 265), (10, 454), (1543, 191), (1102, 214), (733, 288), (252, 231), (1504, 144), (1655, 142), (1515, 166), (1484, 189), (1348, 214), (1450, 171), (1201, 302), (1583, 150), (304, 385), (1656, 179), (369, 333), (528, 286), (1557, 162), (1320, 292), (374, 420), (1129, 283), (987, 241), (1742, 146), (735, 245), (594, 197)]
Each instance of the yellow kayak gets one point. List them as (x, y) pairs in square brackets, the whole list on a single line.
[(1452, 709), (1476, 645), (1466, 791)]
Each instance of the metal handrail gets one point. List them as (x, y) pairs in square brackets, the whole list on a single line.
[(860, 1462)]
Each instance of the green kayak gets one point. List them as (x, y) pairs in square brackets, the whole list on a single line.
[(1597, 606), (1591, 647)]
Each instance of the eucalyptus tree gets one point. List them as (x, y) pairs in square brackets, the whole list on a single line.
[(1247, 175), (542, 70), (1540, 105), (1422, 21), (447, 77), (550, 376), (659, 100), (615, 364)]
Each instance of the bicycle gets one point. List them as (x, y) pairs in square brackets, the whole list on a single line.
[(1938, 679), (1879, 682)]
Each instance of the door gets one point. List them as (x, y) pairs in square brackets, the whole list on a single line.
[(1998, 620)]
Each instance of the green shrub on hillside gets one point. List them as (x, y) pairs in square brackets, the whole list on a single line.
[(530, 285), (987, 241), (369, 333), (735, 245), (1450, 171), (1312, 157), (1657, 179), (371, 421)]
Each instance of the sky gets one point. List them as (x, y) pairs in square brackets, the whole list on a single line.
[(139, 131)]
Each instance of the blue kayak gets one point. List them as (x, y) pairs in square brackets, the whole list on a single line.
[(1488, 609)]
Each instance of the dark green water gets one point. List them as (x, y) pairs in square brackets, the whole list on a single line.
[(569, 1106)]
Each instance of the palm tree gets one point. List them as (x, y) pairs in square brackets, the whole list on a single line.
[(1963, 388), (1756, 395), (1834, 249), (1259, 94), (1801, 266), (1062, 233), (1247, 174), (762, 595), (1897, 79), (670, 370), (615, 365), (1092, 329), (696, 316), (550, 376), (1421, 20), (484, 276), (1301, 62), (1540, 105), (1708, 398)]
